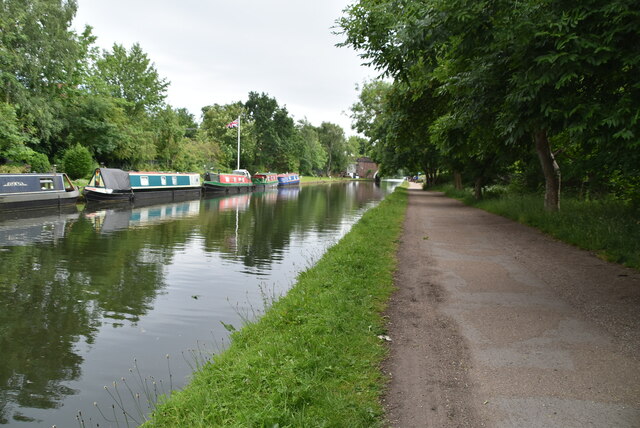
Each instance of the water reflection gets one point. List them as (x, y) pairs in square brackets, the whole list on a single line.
[(82, 295)]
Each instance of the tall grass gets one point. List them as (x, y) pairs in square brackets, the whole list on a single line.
[(313, 359), (607, 227)]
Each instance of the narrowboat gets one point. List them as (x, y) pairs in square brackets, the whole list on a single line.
[(238, 181), (112, 184), (36, 190), (288, 179), (263, 180)]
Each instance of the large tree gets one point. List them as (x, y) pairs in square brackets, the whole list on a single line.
[(530, 71), (130, 75), (38, 56), (274, 133), (339, 154)]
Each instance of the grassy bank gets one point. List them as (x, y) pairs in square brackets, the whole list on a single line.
[(309, 179), (609, 228), (313, 358)]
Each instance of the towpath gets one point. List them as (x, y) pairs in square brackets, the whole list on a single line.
[(495, 324)]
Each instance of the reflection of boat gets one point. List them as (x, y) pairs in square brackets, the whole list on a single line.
[(288, 192), (288, 179), (264, 180), (238, 202), (112, 219), (35, 190), (111, 184), (238, 181), (35, 226)]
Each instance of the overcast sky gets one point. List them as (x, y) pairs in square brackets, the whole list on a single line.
[(216, 52)]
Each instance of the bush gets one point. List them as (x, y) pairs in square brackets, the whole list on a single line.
[(77, 162), (38, 162)]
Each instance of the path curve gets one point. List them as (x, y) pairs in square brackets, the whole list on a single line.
[(495, 324)]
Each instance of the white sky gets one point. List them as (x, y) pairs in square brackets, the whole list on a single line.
[(216, 52)]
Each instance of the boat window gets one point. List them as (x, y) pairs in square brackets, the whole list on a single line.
[(46, 184), (144, 180), (174, 180), (163, 180)]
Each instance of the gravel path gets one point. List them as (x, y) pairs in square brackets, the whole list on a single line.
[(495, 324)]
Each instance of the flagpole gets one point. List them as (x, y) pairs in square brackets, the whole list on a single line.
[(238, 142)]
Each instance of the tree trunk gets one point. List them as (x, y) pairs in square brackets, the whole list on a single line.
[(550, 169), (477, 188), (457, 180)]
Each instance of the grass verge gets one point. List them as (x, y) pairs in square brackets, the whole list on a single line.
[(609, 228), (313, 359)]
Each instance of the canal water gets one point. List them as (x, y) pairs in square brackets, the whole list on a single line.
[(106, 309)]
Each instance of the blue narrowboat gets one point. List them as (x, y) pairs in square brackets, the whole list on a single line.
[(288, 179), (111, 184), (36, 190)]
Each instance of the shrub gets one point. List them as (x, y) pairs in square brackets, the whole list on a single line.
[(77, 162), (38, 162)]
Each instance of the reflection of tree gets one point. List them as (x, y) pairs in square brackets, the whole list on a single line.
[(265, 229), (53, 294)]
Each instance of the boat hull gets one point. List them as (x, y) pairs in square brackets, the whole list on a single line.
[(114, 185), (36, 190), (213, 187), (264, 180), (288, 180), (226, 183), (35, 201), (169, 195)]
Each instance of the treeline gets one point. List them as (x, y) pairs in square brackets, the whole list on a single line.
[(501, 91), (63, 101)]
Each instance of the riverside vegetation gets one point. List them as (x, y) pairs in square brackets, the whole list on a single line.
[(313, 358), (608, 227)]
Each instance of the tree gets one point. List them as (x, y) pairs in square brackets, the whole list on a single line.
[(214, 128), (311, 154), (168, 135), (77, 162), (38, 54), (332, 138), (274, 133), (527, 72), (132, 76)]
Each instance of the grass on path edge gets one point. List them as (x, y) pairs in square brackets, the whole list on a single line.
[(314, 358)]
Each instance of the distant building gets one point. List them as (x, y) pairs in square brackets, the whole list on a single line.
[(366, 167)]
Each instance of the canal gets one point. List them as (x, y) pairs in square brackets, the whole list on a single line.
[(114, 306)]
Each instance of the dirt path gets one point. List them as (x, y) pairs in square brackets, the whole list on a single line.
[(496, 325)]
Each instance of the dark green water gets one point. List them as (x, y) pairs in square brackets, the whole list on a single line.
[(138, 295)]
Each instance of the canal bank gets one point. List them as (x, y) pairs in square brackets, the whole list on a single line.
[(313, 359)]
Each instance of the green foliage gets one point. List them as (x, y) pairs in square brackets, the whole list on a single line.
[(214, 129), (476, 80), (608, 227), (131, 76), (311, 153), (274, 134), (313, 359), (77, 162), (10, 135), (339, 154), (38, 162)]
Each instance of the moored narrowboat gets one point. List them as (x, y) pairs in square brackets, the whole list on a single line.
[(288, 179), (112, 184), (36, 190), (238, 181), (263, 180)]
